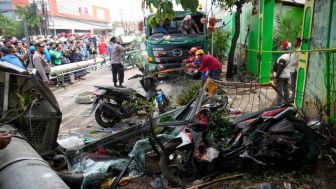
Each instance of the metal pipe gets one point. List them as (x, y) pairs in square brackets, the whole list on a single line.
[(74, 66), (21, 167), (5, 93), (328, 62), (72, 71)]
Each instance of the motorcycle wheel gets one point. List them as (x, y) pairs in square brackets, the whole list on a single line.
[(104, 120), (309, 150), (305, 150), (172, 164)]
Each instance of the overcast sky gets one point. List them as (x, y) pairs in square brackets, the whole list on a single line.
[(130, 9)]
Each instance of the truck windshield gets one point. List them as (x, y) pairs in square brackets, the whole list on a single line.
[(174, 27)]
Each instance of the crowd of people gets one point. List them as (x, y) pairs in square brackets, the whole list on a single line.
[(42, 52)]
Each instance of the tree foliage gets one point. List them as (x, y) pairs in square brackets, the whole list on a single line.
[(30, 15), (220, 45), (229, 5), (8, 26), (165, 9), (287, 30)]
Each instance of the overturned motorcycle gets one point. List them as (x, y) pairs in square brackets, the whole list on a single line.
[(113, 104), (269, 137)]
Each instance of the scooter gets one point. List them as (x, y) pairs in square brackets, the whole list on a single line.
[(110, 106)]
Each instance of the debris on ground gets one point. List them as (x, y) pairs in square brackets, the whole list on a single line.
[(199, 139), (260, 186), (106, 130), (84, 98), (70, 143)]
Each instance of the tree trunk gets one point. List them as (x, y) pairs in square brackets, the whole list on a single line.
[(229, 71)]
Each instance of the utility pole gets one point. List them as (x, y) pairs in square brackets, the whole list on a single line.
[(46, 17), (124, 26)]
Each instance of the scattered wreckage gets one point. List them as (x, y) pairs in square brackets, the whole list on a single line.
[(181, 145), (269, 137)]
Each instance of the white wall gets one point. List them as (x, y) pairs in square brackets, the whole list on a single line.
[(67, 23)]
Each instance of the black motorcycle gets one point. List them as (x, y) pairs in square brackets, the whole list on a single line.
[(272, 137), (113, 104)]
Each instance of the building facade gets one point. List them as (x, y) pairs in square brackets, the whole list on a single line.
[(68, 16)]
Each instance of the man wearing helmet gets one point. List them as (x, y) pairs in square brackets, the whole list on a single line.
[(188, 24), (193, 63), (192, 52), (282, 74), (210, 64)]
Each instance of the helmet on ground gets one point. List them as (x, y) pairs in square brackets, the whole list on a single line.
[(193, 50), (199, 52)]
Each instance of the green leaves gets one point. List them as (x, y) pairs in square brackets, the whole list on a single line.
[(220, 128), (165, 9), (188, 93), (221, 43), (189, 5), (287, 29), (30, 14), (8, 26), (24, 101)]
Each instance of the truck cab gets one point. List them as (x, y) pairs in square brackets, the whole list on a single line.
[(167, 46)]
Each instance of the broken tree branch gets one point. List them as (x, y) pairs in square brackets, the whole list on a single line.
[(214, 181)]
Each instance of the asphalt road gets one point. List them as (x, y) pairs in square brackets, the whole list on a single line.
[(76, 119)]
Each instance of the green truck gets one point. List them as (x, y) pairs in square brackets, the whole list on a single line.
[(168, 49)]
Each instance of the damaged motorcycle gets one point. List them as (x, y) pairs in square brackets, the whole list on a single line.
[(113, 104), (269, 137)]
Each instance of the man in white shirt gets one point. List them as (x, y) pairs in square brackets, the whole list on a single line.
[(293, 66), (282, 75)]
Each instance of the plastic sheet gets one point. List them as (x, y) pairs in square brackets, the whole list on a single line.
[(96, 167), (141, 146)]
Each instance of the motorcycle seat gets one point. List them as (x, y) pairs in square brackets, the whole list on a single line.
[(126, 90), (247, 116), (122, 90)]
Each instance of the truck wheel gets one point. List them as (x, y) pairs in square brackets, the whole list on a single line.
[(105, 120)]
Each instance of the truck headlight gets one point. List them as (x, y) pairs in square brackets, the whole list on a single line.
[(149, 59)]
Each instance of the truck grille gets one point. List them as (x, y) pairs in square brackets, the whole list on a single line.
[(168, 55)]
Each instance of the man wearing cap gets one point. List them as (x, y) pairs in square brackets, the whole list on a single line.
[(40, 64), (9, 57), (188, 24), (210, 64), (282, 75)]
